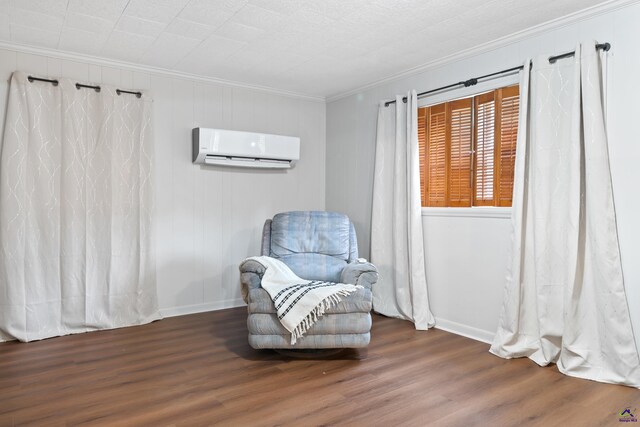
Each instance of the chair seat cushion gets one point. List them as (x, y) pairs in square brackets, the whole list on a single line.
[(358, 302)]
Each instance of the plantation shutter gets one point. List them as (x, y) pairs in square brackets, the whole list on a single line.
[(508, 100), (422, 152), (459, 132), (485, 118), (467, 150), (436, 170)]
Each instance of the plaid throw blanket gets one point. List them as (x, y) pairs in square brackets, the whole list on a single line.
[(299, 302)]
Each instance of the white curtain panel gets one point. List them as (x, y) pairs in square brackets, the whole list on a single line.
[(75, 211), (397, 248), (564, 298)]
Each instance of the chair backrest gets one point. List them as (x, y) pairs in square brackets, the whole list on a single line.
[(316, 245)]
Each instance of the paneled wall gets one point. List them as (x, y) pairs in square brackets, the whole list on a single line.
[(466, 292), (208, 218)]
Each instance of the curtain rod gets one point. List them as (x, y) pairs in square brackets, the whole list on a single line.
[(474, 80), (80, 85)]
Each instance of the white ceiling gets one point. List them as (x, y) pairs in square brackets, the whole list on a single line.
[(313, 47)]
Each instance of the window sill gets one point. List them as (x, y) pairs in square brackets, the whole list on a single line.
[(476, 212)]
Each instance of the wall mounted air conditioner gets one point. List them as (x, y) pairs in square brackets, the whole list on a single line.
[(244, 149)]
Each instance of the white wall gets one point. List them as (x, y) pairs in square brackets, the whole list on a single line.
[(466, 296), (208, 219)]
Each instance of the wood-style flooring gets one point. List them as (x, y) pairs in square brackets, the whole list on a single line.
[(199, 370)]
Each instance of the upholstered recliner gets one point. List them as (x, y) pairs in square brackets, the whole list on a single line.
[(315, 246)]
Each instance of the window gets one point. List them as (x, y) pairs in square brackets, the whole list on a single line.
[(467, 150)]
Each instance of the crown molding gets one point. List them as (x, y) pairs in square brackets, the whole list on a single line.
[(129, 66), (553, 24)]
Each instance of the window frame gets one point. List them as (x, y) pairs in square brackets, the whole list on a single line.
[(496, 212)]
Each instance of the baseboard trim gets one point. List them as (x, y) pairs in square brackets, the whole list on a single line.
[(201, 308), (464, 330)]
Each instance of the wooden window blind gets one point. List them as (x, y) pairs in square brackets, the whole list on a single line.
[(459, 150), (422, 150), (508, 111), (435, 152), (485, 119), (467, 150)]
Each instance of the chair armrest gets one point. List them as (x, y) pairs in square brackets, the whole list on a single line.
[(251, 273), (360, 273)]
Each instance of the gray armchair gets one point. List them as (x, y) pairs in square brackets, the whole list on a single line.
[(316, 246)]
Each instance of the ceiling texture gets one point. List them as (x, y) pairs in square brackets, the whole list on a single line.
[(312, 47)]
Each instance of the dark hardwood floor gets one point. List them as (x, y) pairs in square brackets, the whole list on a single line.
[(199, 370)]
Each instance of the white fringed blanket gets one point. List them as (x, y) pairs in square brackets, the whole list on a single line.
[(299, 302)]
